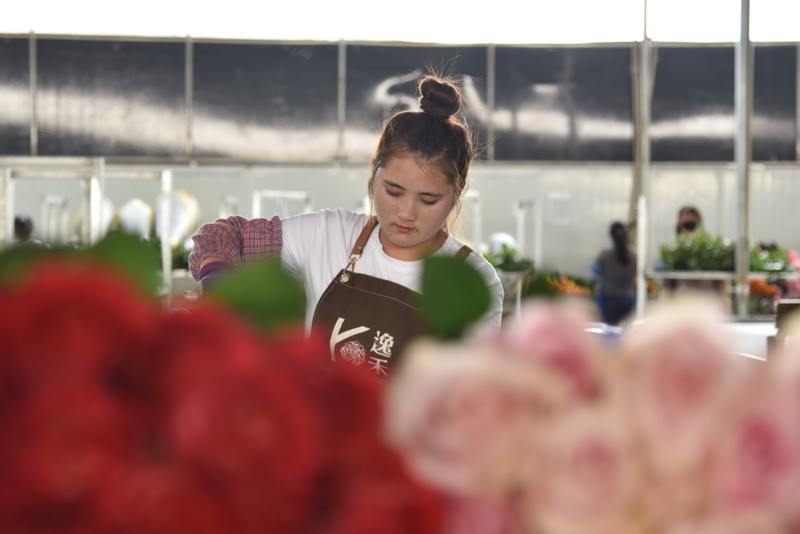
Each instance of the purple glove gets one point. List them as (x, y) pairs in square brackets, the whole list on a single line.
[(211, 272)]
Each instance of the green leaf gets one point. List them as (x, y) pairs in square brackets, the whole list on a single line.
[(263, 293), (454, 296), (132, 256), (17, 259)]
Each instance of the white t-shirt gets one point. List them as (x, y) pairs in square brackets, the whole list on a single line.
[(316, 246)]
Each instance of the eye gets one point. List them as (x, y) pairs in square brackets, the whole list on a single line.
[(392, 193), (429, 202)]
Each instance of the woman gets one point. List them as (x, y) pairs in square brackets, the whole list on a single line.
[(689, 221), (615, 277), (362, 273)]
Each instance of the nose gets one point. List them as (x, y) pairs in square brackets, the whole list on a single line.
[(407, 209)]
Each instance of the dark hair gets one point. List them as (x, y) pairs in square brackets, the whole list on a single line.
[(691, 210), (23, 228), (619, 234), (435, 133)]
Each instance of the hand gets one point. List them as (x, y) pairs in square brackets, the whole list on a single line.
[(211, 272)]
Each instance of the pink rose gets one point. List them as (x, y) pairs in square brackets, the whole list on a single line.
[(483, 516), (723, 525), (794, 258), (755, 460), (679, 375), (785, 361), (587, 476), (463, 418), (554, 336)]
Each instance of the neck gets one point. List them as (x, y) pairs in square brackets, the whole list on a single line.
[(416, 252)]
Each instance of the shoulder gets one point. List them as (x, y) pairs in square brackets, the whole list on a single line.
[(606, 256), (326, 221), (493, 316), (475, 259)]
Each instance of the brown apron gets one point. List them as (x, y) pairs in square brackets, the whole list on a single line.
[(368, 320)]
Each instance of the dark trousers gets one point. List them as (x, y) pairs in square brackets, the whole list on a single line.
[(615, 308)]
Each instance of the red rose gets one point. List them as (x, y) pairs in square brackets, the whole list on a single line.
[(378, 495), (125, 419), (350, 399), (67, 322), (56, 449), (163, 499), (241, 421), (363, 485)]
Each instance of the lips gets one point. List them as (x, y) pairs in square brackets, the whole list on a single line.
[(403, 229)]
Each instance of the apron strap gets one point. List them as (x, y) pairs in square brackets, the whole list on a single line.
[(358, 248), (463, 252), (363, 237)]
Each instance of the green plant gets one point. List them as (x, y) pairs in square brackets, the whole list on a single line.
[(699, 251), (769, 258), (554, 284), (703, 252), (509, 259)]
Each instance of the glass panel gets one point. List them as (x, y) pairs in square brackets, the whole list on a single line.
[(265, 102), (15, 100), (382, 80), (115, 98), (564, 104)]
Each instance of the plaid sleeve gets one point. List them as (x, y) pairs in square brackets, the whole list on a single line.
[(236, 240)]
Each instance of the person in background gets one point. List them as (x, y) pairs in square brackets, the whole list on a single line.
[(615, 277), (689, 221), (362, 273), (23, 229)]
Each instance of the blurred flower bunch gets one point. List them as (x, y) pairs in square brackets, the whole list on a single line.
[(543, 429), (117, 416)]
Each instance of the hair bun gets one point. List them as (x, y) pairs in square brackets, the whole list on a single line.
[(438, 97)]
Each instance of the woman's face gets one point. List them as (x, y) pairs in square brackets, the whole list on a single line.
[(412, 201), (688, 223)]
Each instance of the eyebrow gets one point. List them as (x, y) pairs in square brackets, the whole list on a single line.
[(425, 193)]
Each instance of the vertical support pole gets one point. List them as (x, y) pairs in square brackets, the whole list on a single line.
[(642, 182), (491, 79), (341, 101), (797, 106), (641, 260), (33, 85), (744, 110), (96, 192), (189, 97), (166, 242), (7, 202)]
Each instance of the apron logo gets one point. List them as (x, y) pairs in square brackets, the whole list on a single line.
[(356, 353), (382, 344), (353, 352), (378, 365), (338, 336)]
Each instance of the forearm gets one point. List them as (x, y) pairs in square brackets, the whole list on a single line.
[(234, 240)]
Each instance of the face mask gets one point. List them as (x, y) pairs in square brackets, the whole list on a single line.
[(687, 226)]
